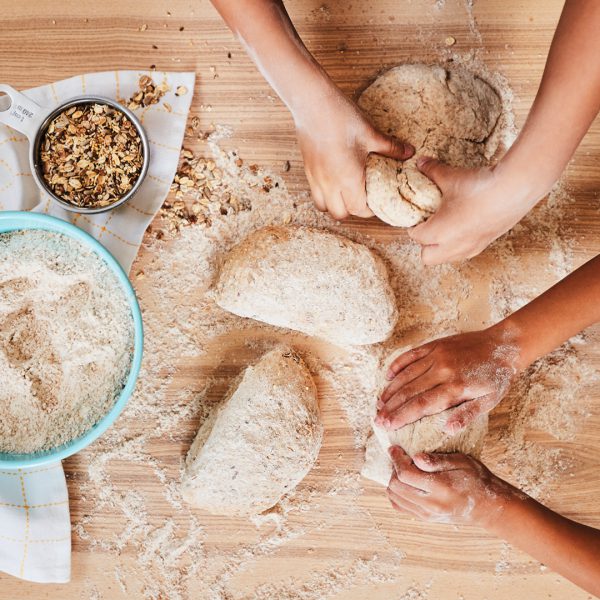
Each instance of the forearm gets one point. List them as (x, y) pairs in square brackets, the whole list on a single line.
[(559, 313), (567, 547), (269, 37), (566, 104)]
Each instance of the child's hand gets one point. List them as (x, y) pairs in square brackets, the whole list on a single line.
[(478, 206), (472, 369), (335, 139), (446, 488)]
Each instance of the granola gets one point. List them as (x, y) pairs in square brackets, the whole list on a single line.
[(91, 155)]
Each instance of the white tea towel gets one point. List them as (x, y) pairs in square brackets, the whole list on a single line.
[(35, 528)]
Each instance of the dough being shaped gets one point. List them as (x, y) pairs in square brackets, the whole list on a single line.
[(309, 280), (446, 114), (425, 435), (260, 443)]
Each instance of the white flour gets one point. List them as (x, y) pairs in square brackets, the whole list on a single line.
[(66, 336)]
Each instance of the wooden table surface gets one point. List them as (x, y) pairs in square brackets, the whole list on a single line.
[(47, 40)]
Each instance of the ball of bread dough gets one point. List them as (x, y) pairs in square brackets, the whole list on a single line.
[(309, 280), (260, 443), (425, 435), (449, 114)]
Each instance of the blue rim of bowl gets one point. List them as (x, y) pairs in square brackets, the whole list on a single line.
[(24, 220)]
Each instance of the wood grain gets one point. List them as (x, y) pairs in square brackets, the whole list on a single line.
[(45, 41)]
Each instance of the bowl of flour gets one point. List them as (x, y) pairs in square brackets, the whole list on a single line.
[(71, 339)]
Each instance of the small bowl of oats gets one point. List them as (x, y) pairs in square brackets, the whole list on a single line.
[(89, 154)]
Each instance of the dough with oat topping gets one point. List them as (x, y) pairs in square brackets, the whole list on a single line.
[(260, 443), (449, 114)]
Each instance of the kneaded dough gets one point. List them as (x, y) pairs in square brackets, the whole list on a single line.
[(260, 443), (309, 280), (449, 114), (425, 435)]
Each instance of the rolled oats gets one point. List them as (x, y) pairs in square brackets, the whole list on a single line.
[(201, 190), (91, 155), (149, 93), (198, 192)]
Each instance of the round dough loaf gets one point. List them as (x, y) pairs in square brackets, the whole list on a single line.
[(447, 114), (309, 280), (425, 435), (260, 443)]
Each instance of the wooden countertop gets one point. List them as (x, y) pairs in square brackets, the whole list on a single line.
[(45, 41)]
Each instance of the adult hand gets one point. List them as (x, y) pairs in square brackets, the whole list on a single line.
[(335, 140), (447, 488), (478, 206), (473, 370)]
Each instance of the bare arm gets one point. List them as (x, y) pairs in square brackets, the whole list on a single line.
[(456, 488), (268, 36), (335, 137), (481, 204), (561, 312), (567, 102), (567, 547)]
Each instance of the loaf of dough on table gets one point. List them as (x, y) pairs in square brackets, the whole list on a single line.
[(425, 435), (309, 280), (449, 114), (261, 441)]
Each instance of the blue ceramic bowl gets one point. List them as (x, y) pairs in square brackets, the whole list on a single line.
[(19, 220)]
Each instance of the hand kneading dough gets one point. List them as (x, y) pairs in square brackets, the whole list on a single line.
[(260, 443), (426, 435), (447, 114), (310, 280)]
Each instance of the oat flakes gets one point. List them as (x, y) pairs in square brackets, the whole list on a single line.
[(91, 155)]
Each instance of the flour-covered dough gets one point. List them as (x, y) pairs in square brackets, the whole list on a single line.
[(449, 114), (260, 443), (425, 435), (309, 280)]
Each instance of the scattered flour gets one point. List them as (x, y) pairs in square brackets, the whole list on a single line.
[(503, 564), (328, 583), (414, 592)]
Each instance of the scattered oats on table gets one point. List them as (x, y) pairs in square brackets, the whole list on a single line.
[(199, 192), (193, 129), (148, 94), (91, 155)]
